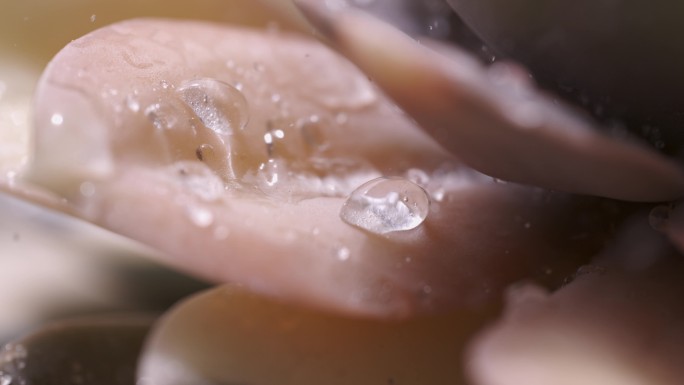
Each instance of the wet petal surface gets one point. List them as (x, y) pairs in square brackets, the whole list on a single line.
[(143, 128)]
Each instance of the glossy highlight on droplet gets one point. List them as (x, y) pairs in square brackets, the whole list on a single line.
[(385, 205), (220, 106)]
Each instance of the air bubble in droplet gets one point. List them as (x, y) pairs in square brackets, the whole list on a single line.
[(386, 205), (659, 217), (220, 106)]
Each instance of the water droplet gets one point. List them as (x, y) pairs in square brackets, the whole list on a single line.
[(276, 98), (220, 106), (132, 103), (57, 119), (271, 136), (385, 205), (162, 116), (165, 84), (659, 217), (269, 174), (259, 67), (343, 253), (418, 177), (312, 130), (221, 233), (438, 195), (93, 17), (201, 217), (5, 379)]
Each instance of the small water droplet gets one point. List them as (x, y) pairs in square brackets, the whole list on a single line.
[(438, 195), (276, 98), (165, 84), (57, 119), (312, 130), (386, 205), (659, 217), (343, 254), (5, 379), (220, 106), (201, 217), (132, 103), (162, 116), (272, 136), (93, 17)]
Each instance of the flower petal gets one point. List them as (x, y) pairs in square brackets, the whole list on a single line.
[(494, 120), (609, 326), (226, 336), (125, 135)]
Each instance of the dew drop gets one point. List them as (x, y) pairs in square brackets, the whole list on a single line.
[(162, 116), (201, 217), (312, 130), (386, 205), (272, 135), (220, 106), (343, 254), (57, 119), (659, 217)]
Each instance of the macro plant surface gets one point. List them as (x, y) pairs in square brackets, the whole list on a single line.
[(400, 213)]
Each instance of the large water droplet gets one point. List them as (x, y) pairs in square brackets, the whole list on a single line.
[(386, 205), (220, 106)]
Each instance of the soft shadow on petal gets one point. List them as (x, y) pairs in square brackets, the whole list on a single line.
[(260, 205), (618, 322), (227, 336), (493, 119)]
